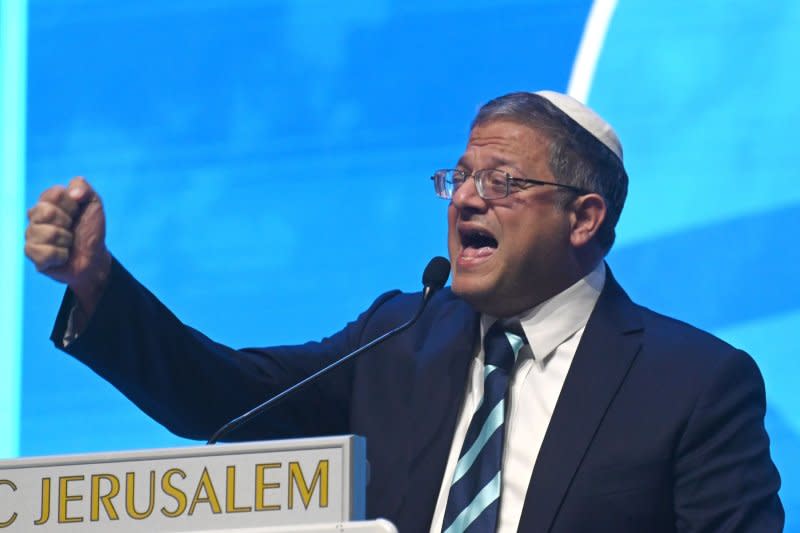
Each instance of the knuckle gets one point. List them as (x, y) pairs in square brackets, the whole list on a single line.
[(53, 233), (39, 234), (45, 257), (36, 254), (54, 193), (43, 234), (52, 214), (35, 212), (46, 212), (33, 234)]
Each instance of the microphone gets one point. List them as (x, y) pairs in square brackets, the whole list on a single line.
[(433, 278)]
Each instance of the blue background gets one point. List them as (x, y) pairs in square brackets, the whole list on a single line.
[(264, 166)]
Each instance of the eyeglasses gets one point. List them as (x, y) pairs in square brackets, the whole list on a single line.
[(492, 184)]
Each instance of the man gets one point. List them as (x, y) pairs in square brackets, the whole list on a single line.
[(533, 395)]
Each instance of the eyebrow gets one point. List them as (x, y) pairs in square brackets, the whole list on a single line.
[(461, 164), (505, 163), (495, 163)]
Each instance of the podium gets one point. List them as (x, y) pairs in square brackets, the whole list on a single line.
[(315, 485)]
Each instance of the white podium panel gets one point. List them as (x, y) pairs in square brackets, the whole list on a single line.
[(228, 487), (373, 526)]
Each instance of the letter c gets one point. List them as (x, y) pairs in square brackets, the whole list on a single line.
[(13, 515)]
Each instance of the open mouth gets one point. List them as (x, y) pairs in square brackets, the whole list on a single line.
[(476, 244)]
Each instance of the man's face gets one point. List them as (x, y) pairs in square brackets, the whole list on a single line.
[(512, 253)]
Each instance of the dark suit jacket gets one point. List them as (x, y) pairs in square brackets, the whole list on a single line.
[(659, 426)]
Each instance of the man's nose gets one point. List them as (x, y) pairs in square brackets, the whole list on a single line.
[(467, 196)]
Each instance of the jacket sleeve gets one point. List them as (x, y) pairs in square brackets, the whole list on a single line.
[(724, 477), (193, 385)]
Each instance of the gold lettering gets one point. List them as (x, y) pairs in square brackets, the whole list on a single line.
[(8, 483), (296, 478), (45, 515), (130, 496), (176, 493), (205, 485), (261, 487), (64, 498), (230, 492), (97, 498)]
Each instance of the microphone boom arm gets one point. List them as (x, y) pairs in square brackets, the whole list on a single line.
[(242, 419)]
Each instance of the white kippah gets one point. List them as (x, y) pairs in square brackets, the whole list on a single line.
[(585, 117)]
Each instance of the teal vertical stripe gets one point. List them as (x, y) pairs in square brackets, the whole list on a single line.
[(13, 59)]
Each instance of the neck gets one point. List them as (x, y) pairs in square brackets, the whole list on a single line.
[(560, 281)]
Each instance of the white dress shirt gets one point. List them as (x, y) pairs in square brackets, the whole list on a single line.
[(553, 329)]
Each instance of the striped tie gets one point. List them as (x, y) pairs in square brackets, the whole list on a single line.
[(474, 501)]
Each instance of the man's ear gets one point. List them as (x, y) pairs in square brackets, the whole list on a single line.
[(588, 212)]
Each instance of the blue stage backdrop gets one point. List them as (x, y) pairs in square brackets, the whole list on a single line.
[(265, 167)]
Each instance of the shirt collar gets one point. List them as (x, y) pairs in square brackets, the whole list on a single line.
[(555, 320)]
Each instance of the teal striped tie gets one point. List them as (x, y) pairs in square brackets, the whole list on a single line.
[(473, 504)]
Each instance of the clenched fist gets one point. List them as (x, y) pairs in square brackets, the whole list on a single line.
[(65, 239)]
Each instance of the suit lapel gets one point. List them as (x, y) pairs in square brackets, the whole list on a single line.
[(443, 353), (609, 345), (441, 366)]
